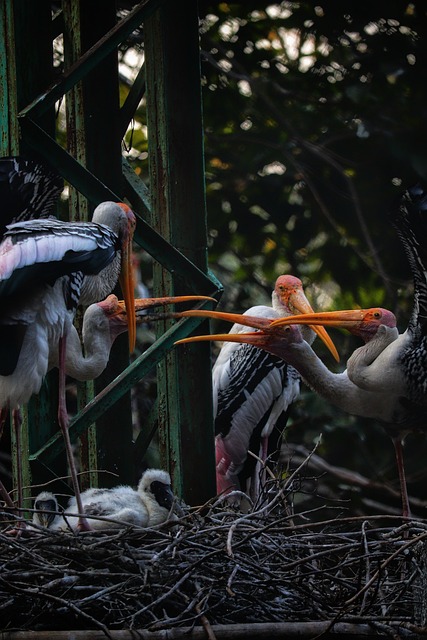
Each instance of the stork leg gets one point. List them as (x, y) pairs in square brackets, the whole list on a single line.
[(4, 494), (264, 448), (6, 497), (64, 423), (398, 448), (3, 415), (17, 425), (258, 476), (3, 491)]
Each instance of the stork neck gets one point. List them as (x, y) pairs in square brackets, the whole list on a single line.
[(97, 287), (375, 366), (337, 388)]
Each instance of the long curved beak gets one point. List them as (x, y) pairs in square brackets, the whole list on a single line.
[(267, 325), (342, 319), (250, 337), (301, 304), (126, 278), (118, 308), (147, 303), (236, 318)]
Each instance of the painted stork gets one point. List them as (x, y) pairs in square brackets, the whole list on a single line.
[(103, 322), (398, 370), (48, 267), (151, 504), (252, 392), (377, 327), (28, 189)]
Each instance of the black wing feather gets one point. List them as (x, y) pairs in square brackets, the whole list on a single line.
[(28, 189), (409, 218)]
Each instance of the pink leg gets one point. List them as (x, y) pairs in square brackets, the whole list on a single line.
[(223, 461), (6, 497), (264, 448), (63, 420), (3, 491), (398, 448), (3, 416), (259, 471), (17, 424)]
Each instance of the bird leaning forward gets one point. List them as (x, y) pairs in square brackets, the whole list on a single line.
[(253, 390)]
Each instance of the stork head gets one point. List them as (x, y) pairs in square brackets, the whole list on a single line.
[(288, 298), (46, 505), (277, 340), (156, 492), (121, 219), (363, 323), (115, 311), (264, 325)]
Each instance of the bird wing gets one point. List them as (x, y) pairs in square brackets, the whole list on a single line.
[(252, 389), (28, 189), (248, 390), (38, 251), (410, 221)]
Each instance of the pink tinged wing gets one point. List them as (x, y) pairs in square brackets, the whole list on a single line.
[(40, 249)]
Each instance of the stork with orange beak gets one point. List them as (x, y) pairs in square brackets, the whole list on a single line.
[(47, 268), (282, 337), (253, 390)]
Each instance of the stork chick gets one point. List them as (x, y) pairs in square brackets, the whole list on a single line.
[(149, 505)]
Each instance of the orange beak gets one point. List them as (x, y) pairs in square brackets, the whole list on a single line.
[(249, 337), (301, 304), (114, 307), (347, 319), (147, 303), (126, 279), (264, 324)]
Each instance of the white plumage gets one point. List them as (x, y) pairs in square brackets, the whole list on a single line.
[(150, 504), (42, 263), (121, 504), (399, 415), (253, 390), (47, 512)]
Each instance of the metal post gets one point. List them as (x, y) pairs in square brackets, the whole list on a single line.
[(103, 153), (175, 136)]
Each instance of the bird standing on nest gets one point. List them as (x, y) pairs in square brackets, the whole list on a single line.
[(47, 268), (253, 391)]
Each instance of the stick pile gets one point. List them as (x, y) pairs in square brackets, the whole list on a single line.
[(215, 566)]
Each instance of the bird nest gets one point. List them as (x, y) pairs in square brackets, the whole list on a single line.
[(215, 570)]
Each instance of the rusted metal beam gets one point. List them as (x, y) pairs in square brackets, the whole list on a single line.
[(92, 57), (176, 161)]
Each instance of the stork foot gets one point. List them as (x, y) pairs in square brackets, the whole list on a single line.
[(83, 525)]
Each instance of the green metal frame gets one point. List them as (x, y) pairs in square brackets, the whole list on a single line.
[(186, 426)]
